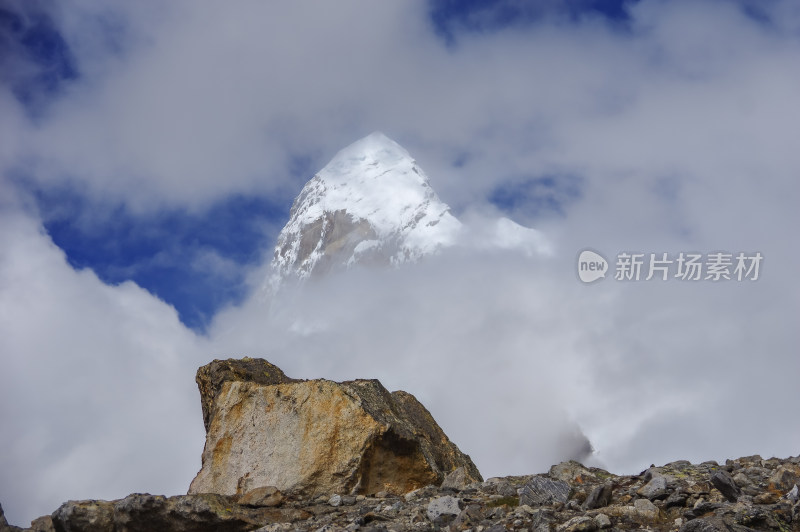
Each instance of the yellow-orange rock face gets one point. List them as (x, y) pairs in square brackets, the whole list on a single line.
[(316, 436)]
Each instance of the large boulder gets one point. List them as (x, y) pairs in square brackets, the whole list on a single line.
[(315, 436)]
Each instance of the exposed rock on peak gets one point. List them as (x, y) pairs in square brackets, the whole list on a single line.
[(316, 436), (371, 204)]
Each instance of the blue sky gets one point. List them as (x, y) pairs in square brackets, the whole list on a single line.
[(150, 152), (177, 255)]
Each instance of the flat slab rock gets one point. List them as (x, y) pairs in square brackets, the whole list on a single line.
[(316, 436), (142, 512)]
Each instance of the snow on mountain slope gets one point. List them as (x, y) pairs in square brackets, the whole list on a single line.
[(373, 205)]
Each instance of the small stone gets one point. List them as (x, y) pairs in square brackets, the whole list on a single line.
[(458, 479), (382, 495), (443, 505), (652, 472), (505, 489), (645, 508), (704, 525), (757, 473), (599, 497), (541, 519), (602, 520), (784, 478), (469, 516), (580, 523), (348, 500), (768, 497), (701, 508), (264, 496), (542, 490), (758, 517), (725, 484), (793, 494), (497, 513), (655, 489), (335, 500), (396, 507), (571, 471), (370, 517), (741, 479), (676, 498), (42, 524)]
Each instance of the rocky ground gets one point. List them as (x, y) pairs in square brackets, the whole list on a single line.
[(745, 494)]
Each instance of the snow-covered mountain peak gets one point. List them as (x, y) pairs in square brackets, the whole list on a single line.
[(371, 204), (375, 179), (375, 148)]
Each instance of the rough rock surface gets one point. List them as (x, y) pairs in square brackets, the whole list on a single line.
[(211, 377), (692, 504), (542, 490), (183, 513), (316, 436)]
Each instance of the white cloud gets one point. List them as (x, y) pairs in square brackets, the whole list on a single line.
[(98, 397)]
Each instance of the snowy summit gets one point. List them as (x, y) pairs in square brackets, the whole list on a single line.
[(372, 204)]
